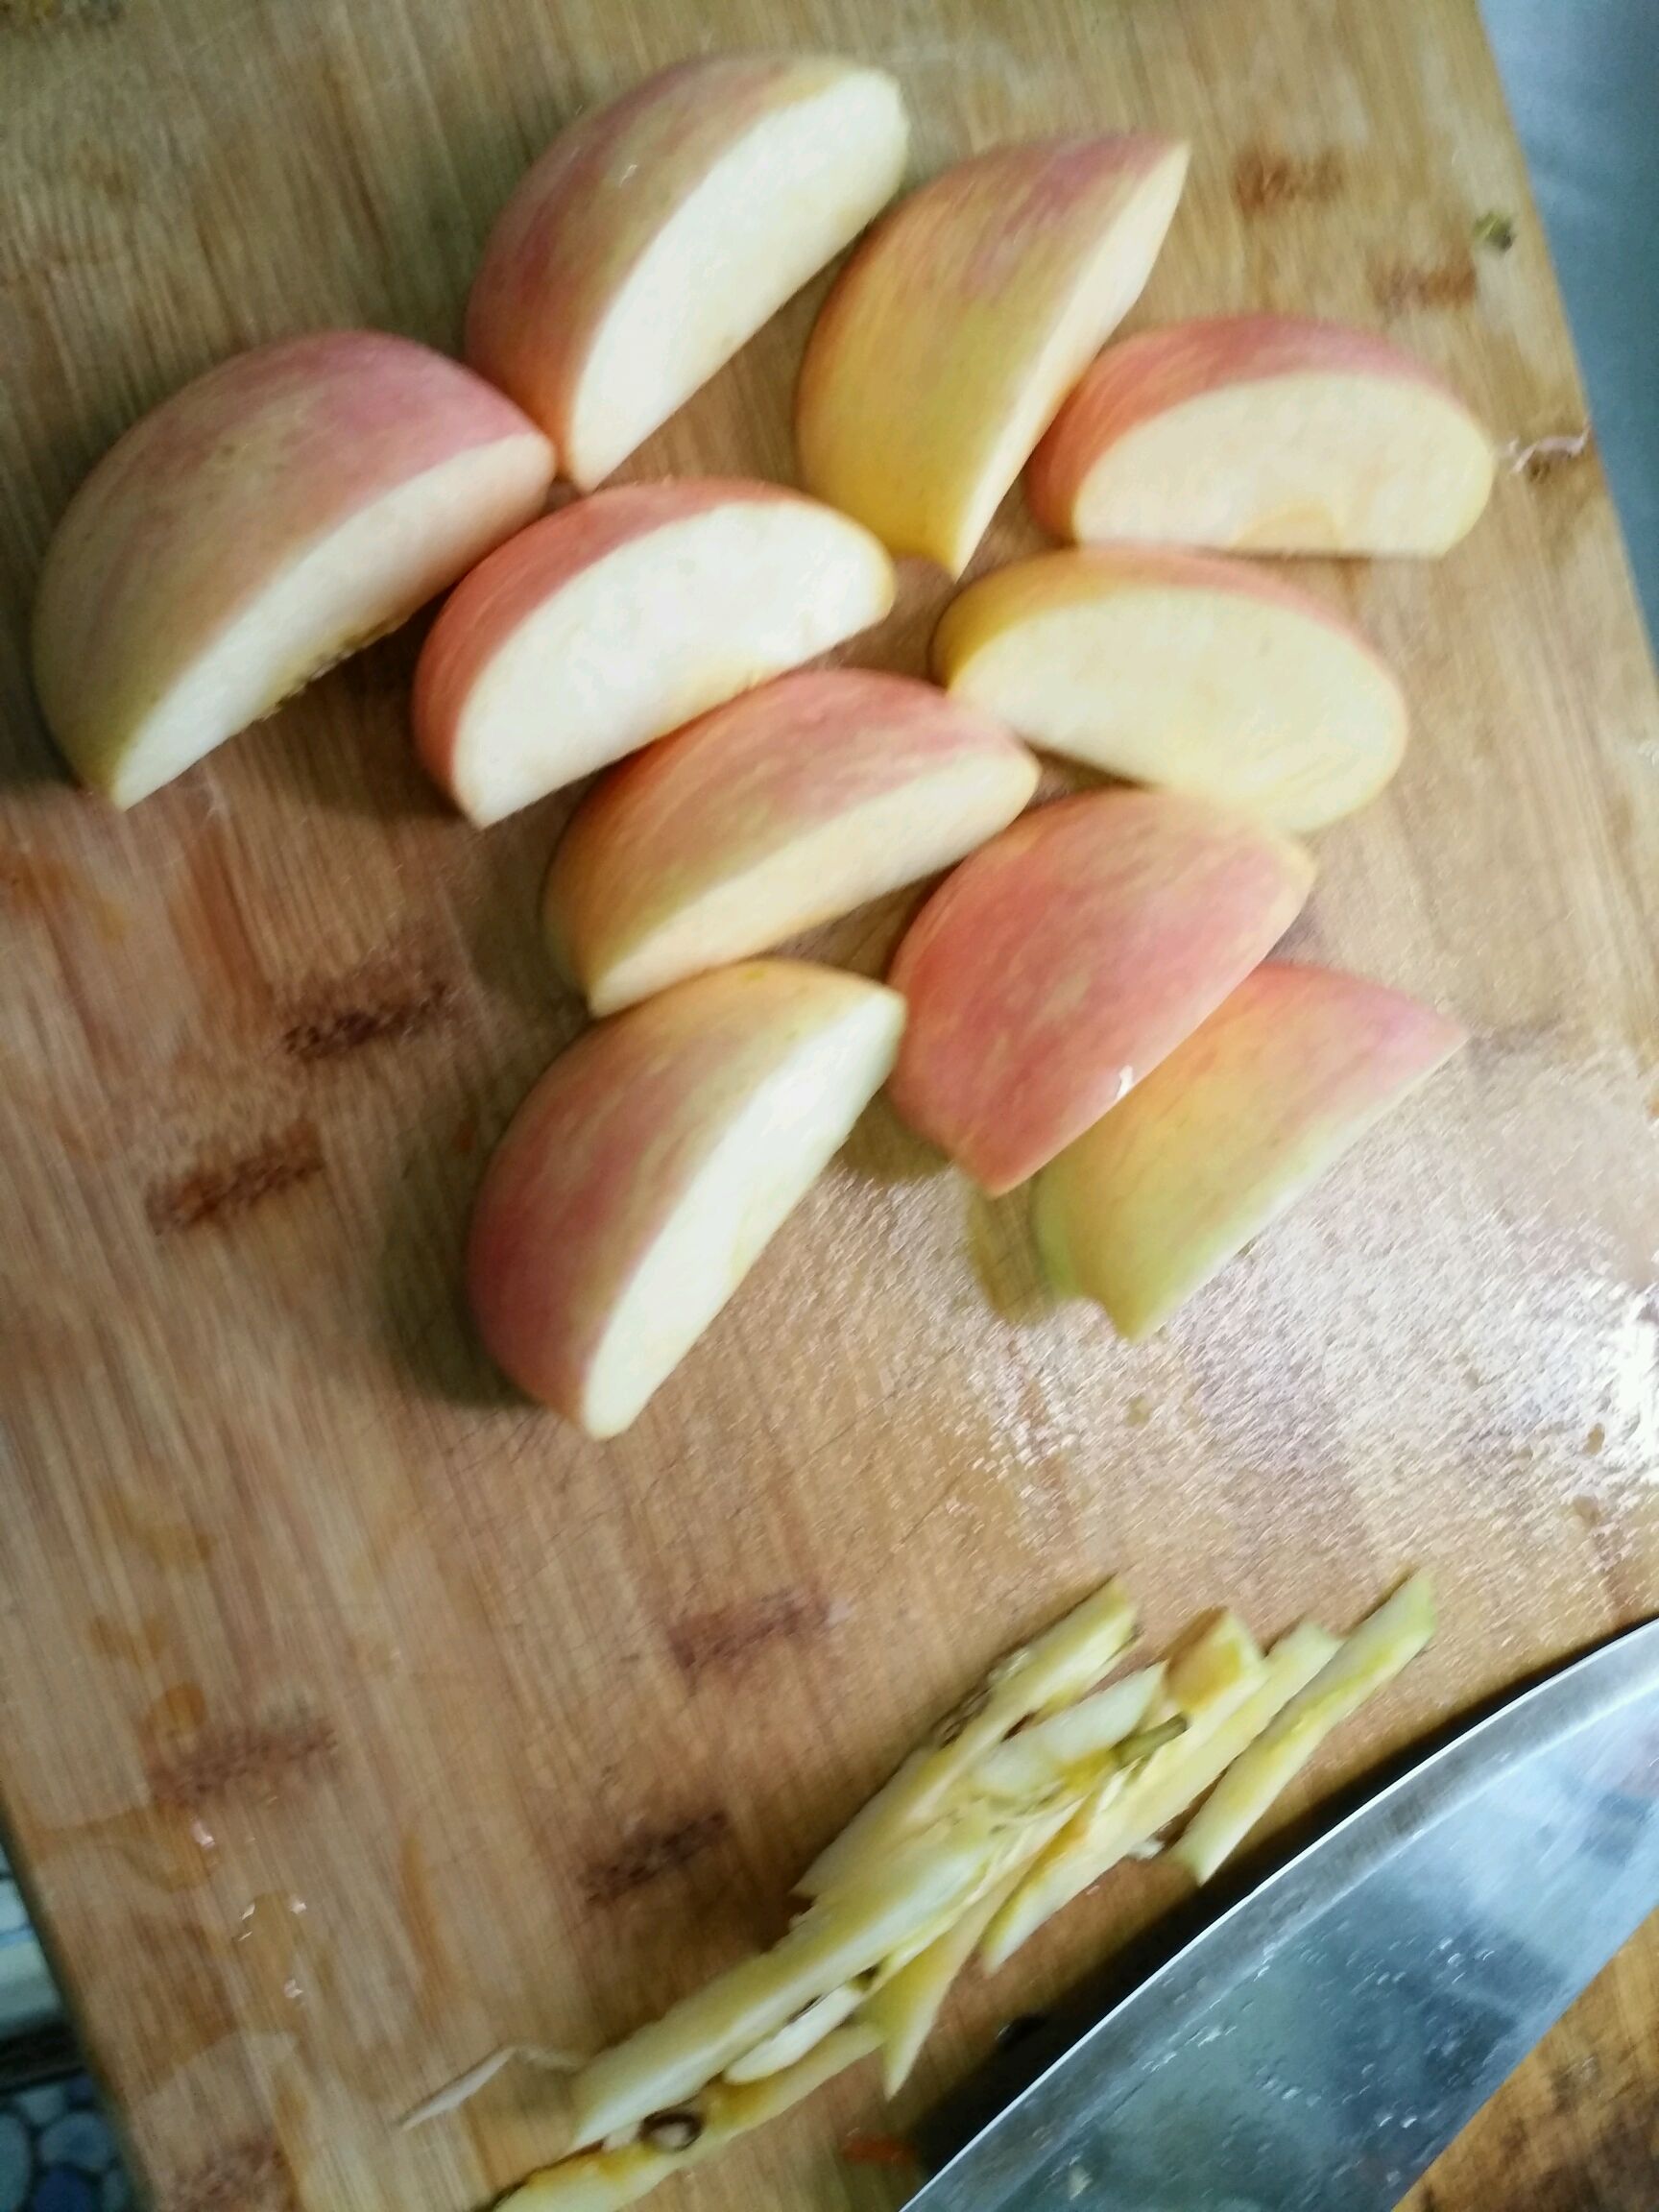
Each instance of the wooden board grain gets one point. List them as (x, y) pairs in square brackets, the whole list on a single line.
[(355, 1717)]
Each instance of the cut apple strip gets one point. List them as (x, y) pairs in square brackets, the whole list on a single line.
[(796, 2037), (649, 1168), (1263, 434), (1211, 1675), (1143, 1210), (606, 2181), (841, 1937), (1191, 673), (614, 620), (1050, 1753), (268, 519), (1123, 1824), (777, 811), (1370, 1658), (1062, 963), (656, 236), (950, 338), (1051, 1671)]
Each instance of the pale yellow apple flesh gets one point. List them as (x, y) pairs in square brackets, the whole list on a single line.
[(650, 1167), (1384, 1644), (269, 518), (950, 338), (655, 236), (607, 2180), (617, 620), (1144, 1208), (1190, 673), (1265, 434), (783, 809)]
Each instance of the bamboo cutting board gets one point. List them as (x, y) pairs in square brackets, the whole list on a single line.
[(357, 1719)]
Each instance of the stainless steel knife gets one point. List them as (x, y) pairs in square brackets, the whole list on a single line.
[(1318, 2046)]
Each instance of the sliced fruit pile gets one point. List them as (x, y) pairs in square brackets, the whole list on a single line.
[(1053, 1772), (1084, 1002)]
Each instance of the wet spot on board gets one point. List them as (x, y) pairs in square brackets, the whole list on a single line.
[(217, 1187), (728, 1638), (1449, 282), (248, 2176), (651, 1853), (1266, 179), (224, 1760), (383, 1001)]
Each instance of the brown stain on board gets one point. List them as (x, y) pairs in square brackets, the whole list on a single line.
[(219, 1187), (1449, 282), (726, 1639), (650, 1854), (385, 1002), (260, 1757), (1265, 180), (247, 2175)]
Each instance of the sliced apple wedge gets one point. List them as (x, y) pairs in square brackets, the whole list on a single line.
[(1297, 1064), (655, 236), (1190, 672), (783, 809), (1263, 434), (955, 331), (646, 1172), (1062, 963), (269, 518), (614, 620)]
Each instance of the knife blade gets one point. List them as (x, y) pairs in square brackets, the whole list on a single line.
[(1318, 2046)]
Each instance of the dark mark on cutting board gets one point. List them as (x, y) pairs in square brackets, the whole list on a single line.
[(705, 1643), (220, 1760), (217, 1187), (651, 1853), (382, 1001), (1449, 282), (250, 2176), (1265, 180)]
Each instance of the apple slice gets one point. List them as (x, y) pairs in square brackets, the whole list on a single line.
[(655, 236), (623, 615), (781, 809), (649, 1168), (1263, 434), (269, 518), (1197, 674), (1057, 967), (1144, 1208), (953, 335)]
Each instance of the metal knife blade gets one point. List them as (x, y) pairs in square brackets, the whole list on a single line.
[(1319, 2045)]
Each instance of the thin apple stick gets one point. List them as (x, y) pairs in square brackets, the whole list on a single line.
[(1059, 1752), (1056, 1669), (904, 2009), (606, 2181), (842, 1936), (797, 2037), (1376, 1651), (1212, 1675)]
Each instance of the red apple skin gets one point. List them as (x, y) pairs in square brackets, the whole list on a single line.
[(581, 219), (211, 496), (738, 786), (1282, 1079), (502, 591), (1155, 370), (577, 1191), (1058, 966)]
